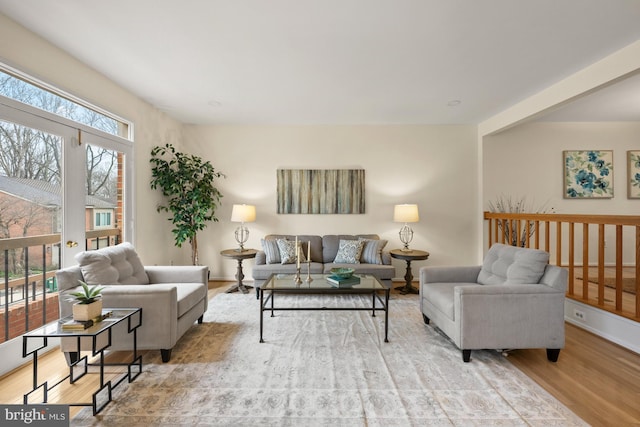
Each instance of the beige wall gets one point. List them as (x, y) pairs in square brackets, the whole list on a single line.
[(433, 166), (527, 161), (29, 53)]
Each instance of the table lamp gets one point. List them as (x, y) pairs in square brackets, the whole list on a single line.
[(242, 214), (406, 213)]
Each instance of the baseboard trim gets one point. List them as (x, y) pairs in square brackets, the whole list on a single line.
[(609, 326)]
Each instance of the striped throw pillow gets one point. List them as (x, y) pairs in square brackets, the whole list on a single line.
[(271, 251), (372, 251)]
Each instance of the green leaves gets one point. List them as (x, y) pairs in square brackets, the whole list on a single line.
[(188, 184), (87, 295)]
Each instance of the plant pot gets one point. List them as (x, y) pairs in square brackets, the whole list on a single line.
[(83, 312)]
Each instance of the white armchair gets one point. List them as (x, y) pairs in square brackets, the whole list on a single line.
[(514, 300), (172, 298)]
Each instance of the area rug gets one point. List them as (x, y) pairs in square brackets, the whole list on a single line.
[(325, 368)]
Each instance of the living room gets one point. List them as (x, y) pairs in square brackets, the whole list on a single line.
[(452, 169)]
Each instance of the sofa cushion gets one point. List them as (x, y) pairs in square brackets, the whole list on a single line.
[(113, 265), (189, 294), (349, 252), (372, 251), (440, 295), (271, 251), (264, 271), (505, 264), (288, 251)]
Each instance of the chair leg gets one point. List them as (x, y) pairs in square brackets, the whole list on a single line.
[(466, 355), (200, 319), (166, 355), (257, 292), (552, 354), (72, 357), (425, 318)]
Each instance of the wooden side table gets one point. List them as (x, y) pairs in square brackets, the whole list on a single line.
[(239, 255), (408, 256)]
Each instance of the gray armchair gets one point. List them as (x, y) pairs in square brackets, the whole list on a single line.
[(514, 300), (172, 298)]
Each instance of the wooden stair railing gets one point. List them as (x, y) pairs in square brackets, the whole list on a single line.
[(559, 234)]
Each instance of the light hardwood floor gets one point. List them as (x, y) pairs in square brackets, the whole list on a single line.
[(596, 379)]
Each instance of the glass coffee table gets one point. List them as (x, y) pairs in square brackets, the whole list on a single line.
[(286, 284)]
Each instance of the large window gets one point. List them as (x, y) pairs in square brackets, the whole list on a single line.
[(65, 180), (31, 92)]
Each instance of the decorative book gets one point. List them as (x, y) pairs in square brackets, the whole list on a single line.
[(81, 325), (339, 282)]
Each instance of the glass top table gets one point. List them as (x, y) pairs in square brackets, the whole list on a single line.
[(320, 284), (287, 284), (100, 337), (54, 329)]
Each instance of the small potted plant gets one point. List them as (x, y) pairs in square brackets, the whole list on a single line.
[(87, 302)]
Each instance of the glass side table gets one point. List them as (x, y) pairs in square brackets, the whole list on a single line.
[(37, 339)]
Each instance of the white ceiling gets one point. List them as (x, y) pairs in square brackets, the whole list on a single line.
[(339, 61)]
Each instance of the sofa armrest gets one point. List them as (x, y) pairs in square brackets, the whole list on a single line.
[(261, 258), (509, 316), (556, 277), (464, 274), (177, 274), (498, 290), (159, 305)]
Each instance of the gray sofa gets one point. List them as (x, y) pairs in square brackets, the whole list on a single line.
[(323, 254), (172, 298), (514, 300)]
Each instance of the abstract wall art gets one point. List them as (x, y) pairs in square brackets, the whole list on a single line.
[(320, 191)]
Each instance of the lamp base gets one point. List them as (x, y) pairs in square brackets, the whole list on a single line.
[(406, 236), (242, 235)]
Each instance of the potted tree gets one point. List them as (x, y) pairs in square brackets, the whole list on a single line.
[(88, 302), (187, 182)]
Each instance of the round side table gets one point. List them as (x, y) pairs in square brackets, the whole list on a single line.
[(408, 256), (239, 255)]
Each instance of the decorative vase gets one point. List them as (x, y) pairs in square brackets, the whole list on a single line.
[(84, 312)]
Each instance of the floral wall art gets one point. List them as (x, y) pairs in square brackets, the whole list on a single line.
[(588, 174), (633, 174)]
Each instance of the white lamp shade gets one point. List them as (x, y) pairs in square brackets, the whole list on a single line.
[(243, 213), (405, 213)]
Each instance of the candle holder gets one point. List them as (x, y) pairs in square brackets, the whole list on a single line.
[(308, 280), (297, 280)]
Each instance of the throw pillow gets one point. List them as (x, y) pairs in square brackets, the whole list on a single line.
[(288, 251), (372, 251), (113, 265), (271, 251), (504, 264), (349, 252)]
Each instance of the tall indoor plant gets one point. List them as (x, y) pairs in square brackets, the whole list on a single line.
[(187, 182)]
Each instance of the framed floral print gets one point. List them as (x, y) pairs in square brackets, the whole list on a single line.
[(633, 174), (588, 174)]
